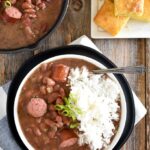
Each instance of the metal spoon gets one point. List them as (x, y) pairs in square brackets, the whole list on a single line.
[(121, 70)]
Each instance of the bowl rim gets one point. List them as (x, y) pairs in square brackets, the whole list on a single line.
[(33, 61), (72, 56), (32, 47)]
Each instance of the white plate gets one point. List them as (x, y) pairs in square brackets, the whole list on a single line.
[(133, 29)]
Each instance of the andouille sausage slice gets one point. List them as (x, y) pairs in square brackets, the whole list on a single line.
[(36, 107), (60, 72), (67, 138), (12, 14)]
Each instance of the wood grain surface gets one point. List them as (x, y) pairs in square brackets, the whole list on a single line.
[(123, 52)]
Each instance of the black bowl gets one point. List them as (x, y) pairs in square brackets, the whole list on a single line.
[(43, 38), (78, 50)]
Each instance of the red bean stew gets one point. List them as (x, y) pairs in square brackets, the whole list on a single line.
[(45, 127), (23, 22)]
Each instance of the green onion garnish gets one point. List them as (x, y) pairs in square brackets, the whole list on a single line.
[(74, 125), (69, 109), (7, 3)]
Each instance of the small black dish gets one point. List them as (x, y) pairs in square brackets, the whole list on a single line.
[(43, 38), (78, 50)]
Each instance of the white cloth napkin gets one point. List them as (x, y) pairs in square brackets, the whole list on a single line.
[(6, 140)]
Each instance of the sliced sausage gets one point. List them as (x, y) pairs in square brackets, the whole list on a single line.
[(60, 72), (36, 107), (67, 138), (12, 14)]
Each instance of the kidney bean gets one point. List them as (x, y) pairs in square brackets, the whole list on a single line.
[(48, 81), (52, 97), (66, 120), (29, 130), (51, 134), (56, 87), (50, 66), (43, 90), (58, 119), (42, 5), (37, 131), (49, 89), (29, 1), (44, 127), (62, 92), (27, 5), (48, 115), (45, 139), (37, 8), (39, 78), (59, 101), (38, 2), (52, 107), (49, 122), (32, 15), (44, 67), (54, 128), (39, 120), (30, 10), (59, 124), (53, 115)]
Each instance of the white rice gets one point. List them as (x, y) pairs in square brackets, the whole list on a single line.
[(97, 98)]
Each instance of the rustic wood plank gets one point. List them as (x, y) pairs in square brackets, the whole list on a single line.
[(9, 64), (148, 95)]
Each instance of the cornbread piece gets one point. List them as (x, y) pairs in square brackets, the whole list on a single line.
[(106, 19), (129, 7), (146, 15)]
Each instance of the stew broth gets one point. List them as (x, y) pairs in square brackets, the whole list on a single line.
[(39, 131)]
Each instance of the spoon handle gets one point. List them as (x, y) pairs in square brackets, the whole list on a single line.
[(121, 70)]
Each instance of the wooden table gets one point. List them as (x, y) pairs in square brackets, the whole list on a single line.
[(123, 52)]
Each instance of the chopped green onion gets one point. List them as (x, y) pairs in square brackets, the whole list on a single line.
[(74, 125), (69, 109), (7, 3)]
